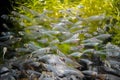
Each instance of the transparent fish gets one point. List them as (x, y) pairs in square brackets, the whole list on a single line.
[(76, 54), (66, 34), (40, 19), (21, 33), (3, 44), (47, 11), (21, 16), (73, 72), (80, 6), (51, 59), (66, 21), (76, 48), (71, 62), (23, 50), (112, 50), (86, 61), (96, 18), (87, 35), (41, 51), (110, 71), (6, 37), (66, 12), (76, 27), (89, 45), (47, 78), (103, 36), (88, 51), (92, 40), (95, 33), (57, 60), (82, 31), (114, 64), (60, 53), (90, 73), (35, 13), (32, 46), (7, 77), (72, 77), (44, 40), (7, 33), (35, 27), (55, 41), (67, 71), (6, 26), (4, 70), (5, 17), (73, 39), (75, 36), (79, 23), (58, 26), (34, 34), (42, 32), (12, 41), (51, 32), (62, 70), (100, 31), (35, 64), (33, 72)]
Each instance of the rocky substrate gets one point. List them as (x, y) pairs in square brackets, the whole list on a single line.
[(59, 67)]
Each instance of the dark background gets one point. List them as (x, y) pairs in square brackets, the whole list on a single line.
[(5, 9)]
